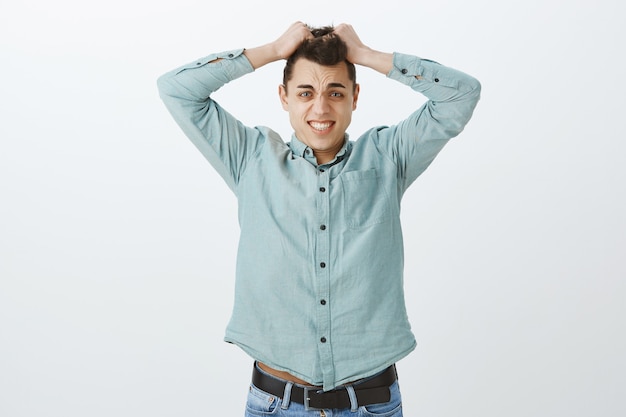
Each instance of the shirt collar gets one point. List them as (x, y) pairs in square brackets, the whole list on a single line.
[(298, 148)]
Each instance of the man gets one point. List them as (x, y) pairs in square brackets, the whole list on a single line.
[(319, 302)]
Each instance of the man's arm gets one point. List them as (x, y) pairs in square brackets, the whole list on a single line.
[(186, 92), (452, 96), (220, 137)]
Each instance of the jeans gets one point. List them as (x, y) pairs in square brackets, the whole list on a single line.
[(262, 404)]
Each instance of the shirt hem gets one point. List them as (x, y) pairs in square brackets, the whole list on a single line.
[(260, 358)]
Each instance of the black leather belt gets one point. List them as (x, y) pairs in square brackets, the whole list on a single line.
[(374, 390)]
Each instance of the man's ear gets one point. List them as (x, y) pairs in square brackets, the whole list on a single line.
[(355, 96), (282, 93)]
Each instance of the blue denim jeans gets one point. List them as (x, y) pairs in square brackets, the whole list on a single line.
[(262, 404)]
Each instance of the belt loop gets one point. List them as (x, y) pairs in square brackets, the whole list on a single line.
[(306, 399), (287, 395), (354, 404)]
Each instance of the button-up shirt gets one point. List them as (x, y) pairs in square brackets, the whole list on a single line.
[(319, 277)]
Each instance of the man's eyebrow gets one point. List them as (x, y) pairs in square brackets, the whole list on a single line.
[(330, 85)]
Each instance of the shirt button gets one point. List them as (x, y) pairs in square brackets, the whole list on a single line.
[(322, 264), (323, 227), (230, 55), (198, 63), (404, 71), (323, 302), (323, 340), (436, 80), (306, 151), (321, 170), (322, 189)]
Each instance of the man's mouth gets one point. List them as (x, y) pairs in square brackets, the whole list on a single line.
[(320, 126)]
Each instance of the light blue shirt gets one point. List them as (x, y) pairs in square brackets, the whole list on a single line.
[(319, 281)]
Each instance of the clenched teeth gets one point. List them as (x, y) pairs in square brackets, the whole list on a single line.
[(320, 126)]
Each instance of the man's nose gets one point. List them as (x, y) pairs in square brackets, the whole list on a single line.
[(320, 105)]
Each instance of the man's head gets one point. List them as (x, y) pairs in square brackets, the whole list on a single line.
[(325, 49), (319, 91)]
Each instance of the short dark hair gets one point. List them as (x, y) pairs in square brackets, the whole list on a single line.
[(325, 48)]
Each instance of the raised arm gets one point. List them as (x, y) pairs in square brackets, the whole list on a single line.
[(186, 91), (452, 96)]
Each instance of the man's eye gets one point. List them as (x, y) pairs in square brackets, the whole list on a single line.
[(336, 94), (305, 94)]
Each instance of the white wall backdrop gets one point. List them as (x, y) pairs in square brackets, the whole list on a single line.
[(117, 239)]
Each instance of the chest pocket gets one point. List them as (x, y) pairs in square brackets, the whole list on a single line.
[(366, 202)]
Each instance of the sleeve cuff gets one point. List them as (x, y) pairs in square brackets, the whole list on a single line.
[(407, 67), (234, 62)]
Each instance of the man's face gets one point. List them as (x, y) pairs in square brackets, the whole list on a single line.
[(320, 100)]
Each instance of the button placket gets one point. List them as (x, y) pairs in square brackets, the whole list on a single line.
[(322, 259)]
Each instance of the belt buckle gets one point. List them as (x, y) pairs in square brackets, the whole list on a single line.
[(307, 399)]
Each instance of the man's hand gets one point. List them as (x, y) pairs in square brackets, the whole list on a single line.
[(281, 48), (355, 46), (289, 41), (359, 53)]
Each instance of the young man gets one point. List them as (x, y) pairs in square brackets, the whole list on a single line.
[(319, 302)]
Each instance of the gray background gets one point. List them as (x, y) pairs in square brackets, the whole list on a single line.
[(117, 239)]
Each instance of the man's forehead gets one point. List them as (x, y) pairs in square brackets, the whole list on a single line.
[(307, 72)]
